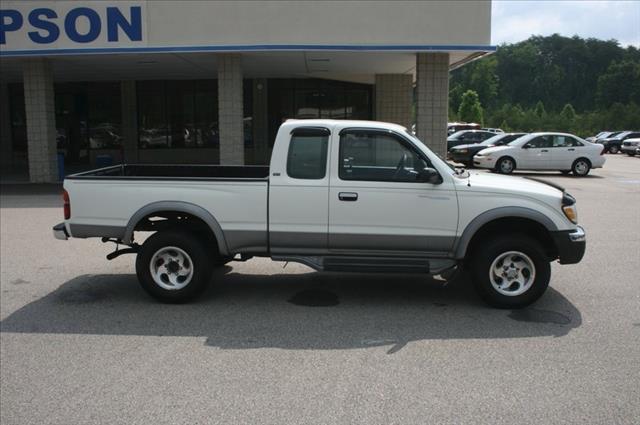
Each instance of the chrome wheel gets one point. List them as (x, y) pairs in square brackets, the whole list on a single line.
[(614, 150), (171, 268), (581, 167), (512, 273), (506, 166)]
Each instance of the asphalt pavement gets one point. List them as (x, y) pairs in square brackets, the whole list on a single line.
[(275, 343)]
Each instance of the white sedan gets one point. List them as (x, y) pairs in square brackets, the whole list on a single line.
[(543, 151)]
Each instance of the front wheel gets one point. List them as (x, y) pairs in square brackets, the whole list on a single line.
[(511, 271), (173, 266), (505, 165), (614, 149)]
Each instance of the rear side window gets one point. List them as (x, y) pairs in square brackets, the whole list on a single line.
[(307, 157)]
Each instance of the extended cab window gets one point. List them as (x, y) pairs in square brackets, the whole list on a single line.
[(376, 156), (307, 157)]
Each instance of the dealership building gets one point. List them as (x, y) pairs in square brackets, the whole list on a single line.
[(91, 83)]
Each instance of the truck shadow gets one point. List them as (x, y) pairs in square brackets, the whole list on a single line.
[(256, 311)]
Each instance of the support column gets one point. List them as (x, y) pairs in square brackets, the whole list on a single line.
[(230, 109), (260, 122), (6, 148), (129, 112), (39, 106), (394, 98), (432, 100)]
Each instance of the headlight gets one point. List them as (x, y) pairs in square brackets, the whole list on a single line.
[(463, 151)]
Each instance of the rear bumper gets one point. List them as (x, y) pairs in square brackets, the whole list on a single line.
[(629, 149), (571, 245), (60, 232)]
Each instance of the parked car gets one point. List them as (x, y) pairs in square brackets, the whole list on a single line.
[(454, 127), (613, 144), (493, 130), (467, 137), (601, 135), (464, 153), (339, 195), (630, 146), (543, 151)]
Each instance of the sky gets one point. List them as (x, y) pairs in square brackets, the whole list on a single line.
[(517, 20)]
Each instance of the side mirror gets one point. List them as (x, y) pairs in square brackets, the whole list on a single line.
[(429, 175)]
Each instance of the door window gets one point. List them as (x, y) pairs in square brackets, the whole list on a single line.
[(374, 156), (307, 158), (540, 142)]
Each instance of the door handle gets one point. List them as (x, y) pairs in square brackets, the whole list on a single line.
[(571, 150), (348, 196), (544, 150)]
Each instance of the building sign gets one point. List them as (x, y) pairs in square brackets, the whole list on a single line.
[(70, 25)]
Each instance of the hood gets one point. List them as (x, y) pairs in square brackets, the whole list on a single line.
[(470, 146), (497, 183), (495, 149)]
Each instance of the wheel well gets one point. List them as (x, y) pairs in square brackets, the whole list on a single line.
[(511, 225), (582, 157), (163, 220)]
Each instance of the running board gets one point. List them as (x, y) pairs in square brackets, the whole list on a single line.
[(370, 264)]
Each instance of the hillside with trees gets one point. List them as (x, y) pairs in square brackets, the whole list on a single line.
[(557, 83)]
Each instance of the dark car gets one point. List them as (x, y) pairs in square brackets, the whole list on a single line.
[(612, 144), (464, 153), (468, 137)]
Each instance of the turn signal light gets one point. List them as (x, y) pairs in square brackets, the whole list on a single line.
[(67, 205), (571, 212)]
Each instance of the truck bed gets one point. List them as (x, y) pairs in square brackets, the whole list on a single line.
[(103, 201), (175, 172)]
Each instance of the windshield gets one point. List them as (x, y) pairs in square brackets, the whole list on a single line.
[(457, 134), (458, 172)]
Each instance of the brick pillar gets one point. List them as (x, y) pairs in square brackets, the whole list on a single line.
[(41, 120), (129, 121), (230, 109), (432, 103), (260, 122), (6, 148), (394, 93)]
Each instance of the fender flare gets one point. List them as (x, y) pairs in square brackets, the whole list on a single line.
[(179, 206), (462, 244)]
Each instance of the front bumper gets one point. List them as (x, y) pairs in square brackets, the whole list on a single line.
[(571, 245), (484, 161), (629, 149), (60, 232)]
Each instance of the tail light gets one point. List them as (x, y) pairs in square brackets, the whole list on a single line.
[(67, 205)]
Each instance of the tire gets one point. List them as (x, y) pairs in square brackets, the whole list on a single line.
[(581, 167), (614, 149), (524, 253), (631, 154), (190, 263), (505, 165)]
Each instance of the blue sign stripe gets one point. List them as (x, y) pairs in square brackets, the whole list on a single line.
[(250, 48)]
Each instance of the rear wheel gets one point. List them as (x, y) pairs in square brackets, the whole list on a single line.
[(581, 167), (173, 266), (505, 165), (614, 149), (631, 154), (511, 271)]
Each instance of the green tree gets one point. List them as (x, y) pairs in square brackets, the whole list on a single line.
[(470, 108), (620, 83), (568, 113), (540, 111)]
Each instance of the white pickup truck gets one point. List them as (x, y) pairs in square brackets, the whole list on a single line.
[(340, 196)]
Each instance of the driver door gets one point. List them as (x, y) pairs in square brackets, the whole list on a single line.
[(377, 204), (536, 154)]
